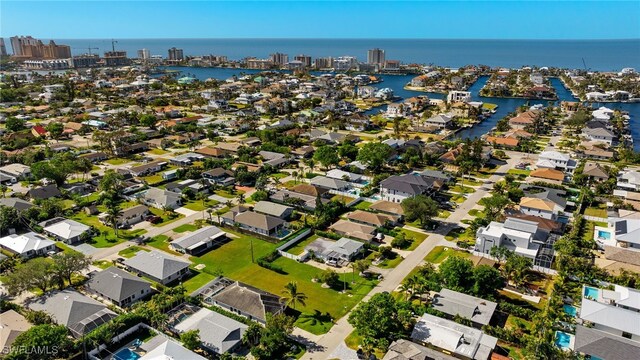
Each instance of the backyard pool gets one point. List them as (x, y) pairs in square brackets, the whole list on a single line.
[(591, 292), (563, 340), (126, 354), (604, 235), (570, 310)]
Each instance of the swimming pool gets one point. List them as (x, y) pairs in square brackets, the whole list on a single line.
[(570, 310), (126, 354), (604, 235), (591, 292), (563, 340)]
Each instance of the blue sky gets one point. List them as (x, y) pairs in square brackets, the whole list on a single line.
[(88, 19)]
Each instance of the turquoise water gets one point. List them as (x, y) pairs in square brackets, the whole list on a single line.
[(591, 292), (570, 310), (126, 354), (397, 83), (563, 340), (603, 55), (604, 234)]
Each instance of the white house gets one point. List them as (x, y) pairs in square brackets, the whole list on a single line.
[(555, 160), (459, 96)]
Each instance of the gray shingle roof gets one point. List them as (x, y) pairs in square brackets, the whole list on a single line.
[(605, 346), (117, 284), (203, 235), (157, 263), (455, 303), (260, 221), (217, 332), (273, 209)]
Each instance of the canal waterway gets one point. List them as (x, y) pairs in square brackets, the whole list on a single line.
[(397, 83)]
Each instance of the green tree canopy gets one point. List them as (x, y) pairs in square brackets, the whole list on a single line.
[(374, 154), (52, 341), (456, 273), (327, 156), (421, 208)]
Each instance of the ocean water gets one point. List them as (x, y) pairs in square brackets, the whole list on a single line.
[(603, 55), (397, 83)]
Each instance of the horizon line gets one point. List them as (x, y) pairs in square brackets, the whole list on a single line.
[(321, 38)]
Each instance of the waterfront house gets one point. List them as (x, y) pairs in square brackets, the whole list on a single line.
[(503, 142), (28, 245), (199, 241), (158, 266), (118, 286), (80, 313), (599, 134), (240, 298), (441, 121), (453, 338)]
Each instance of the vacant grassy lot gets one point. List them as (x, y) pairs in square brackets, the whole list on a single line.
[(234, 260), (417, 238), (117, 161), (197, 205), (440, 253), (519, 172), (600, 210)]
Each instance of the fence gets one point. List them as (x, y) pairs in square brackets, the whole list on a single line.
[(298, 237), (356, 198), (93, 354)]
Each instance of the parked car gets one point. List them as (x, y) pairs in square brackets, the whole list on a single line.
[(153, 219), (332, 263)]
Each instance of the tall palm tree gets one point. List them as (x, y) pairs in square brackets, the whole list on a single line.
[(113, 215), (291, 295)]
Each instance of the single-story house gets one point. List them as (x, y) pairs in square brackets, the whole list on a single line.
[(342, 250), (12, 324), (219, 176), (118, 286), (28, 245), (240, 298), (66, 230), (388, 207), (354, 230), (80, 313), (16, 203), (199, 241), (273, 209), (167, 349), (148, 168), (160, 198), (218, 333), (129, 216), (452, 303), (372, 219), (255, 222), (158, 266), (44, 192)]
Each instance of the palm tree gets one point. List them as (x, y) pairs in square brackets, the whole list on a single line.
[(291, 295), (241, 199), (113, 215)]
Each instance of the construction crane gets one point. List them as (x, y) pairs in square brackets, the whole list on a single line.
[(113, 45), (585, 65)]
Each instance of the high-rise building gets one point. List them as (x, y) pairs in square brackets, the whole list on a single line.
[(345, 63), (175, 54), (116, 58), (323, 63), (375, 56), (279, 58), (304, 59), (144, 54), (3, 48), (30, 48)]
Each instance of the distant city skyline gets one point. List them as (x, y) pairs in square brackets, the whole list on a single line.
[(322, 19)]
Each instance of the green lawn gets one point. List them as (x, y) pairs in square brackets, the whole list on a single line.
[(197, 281), (459, 199), (153, 179), (519, 172), (298, 248), (117, 161), (475, 212), (103, 264), (279, 175), (443, 214), (461, 190), (233, 260), (363, 205), (459, 234), (157, 151), (67, 204), (417, 237), (471, 182), (185, 228), (198, 206), (440, 253), (106, 236), (354, 340), (167, 218), (130, 251), (390, 263), (342, 198), (598, 211), (225, 194), (161, 242)]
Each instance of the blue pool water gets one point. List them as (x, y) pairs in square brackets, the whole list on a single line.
[(126, 354), (604, 234), (563, 340), (570, 310), (591, 292)]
